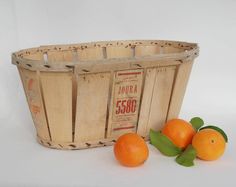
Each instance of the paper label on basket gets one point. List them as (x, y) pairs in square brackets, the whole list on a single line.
[(126, 93)]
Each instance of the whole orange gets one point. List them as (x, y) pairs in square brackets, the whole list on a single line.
[(180, 132), (131, 150), (209, 144)]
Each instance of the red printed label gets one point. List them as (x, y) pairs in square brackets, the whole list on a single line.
[(125, 100)]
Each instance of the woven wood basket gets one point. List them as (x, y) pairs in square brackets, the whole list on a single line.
[(86, 95)]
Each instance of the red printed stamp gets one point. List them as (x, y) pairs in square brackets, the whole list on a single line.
[(127, 87)]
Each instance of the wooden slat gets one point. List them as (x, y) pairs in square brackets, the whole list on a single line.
[(68, 56), (161, 98), (168, 49), (146, 101), (119, 52), (54, 56), (180, 84), (60, 56), (57, 93), (90, 54), (92, 97), (147, 50), (35, 56), (126, 91), (32, 90), (156, 99)]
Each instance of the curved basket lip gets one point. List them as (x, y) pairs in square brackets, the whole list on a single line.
[(190, 51)]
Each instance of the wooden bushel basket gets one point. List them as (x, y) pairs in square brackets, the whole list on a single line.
[(87, 95)]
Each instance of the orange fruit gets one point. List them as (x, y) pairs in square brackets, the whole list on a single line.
[(180, 132), (131, 150), (209, 144)]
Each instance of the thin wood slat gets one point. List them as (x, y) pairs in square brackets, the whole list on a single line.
[(147, 50), (54, 56), (146, 101), (91, 110), (156, 98), (57, 94), (35, 56), (160, 98), (119, 52), (90, 54), (32, 90), (179, 89)]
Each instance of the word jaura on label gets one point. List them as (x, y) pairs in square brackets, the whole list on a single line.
[(130, 89)]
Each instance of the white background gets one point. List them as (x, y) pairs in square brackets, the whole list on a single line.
[(211, 90)]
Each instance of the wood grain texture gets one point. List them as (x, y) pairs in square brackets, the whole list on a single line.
[(91, 110), (34, 98), (171, 49), (147, 50), (146, 101), (35, 56), (180, 85), (60, 56), (156, 99), (69, 56), (54, 56), (90, 54), (119, 52), (161, 98), (57, 93)]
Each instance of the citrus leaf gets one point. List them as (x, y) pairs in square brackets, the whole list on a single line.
[(163, 144), (217, 129), (197, 123), (187, 157)]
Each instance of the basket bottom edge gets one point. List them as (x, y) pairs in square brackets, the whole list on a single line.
[(78, 145)]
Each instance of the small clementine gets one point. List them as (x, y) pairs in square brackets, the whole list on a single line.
[(180, 132), (209, 144), (131, 150)]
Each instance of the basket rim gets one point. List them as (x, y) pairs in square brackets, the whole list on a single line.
[(19, 58)]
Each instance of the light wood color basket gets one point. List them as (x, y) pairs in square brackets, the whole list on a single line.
[(87, 95)]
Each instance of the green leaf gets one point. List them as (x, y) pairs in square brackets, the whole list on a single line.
[(197, 123), (163, 144), (217, 129), (187, 157)]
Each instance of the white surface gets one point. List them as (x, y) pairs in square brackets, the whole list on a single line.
[(210, 94)]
